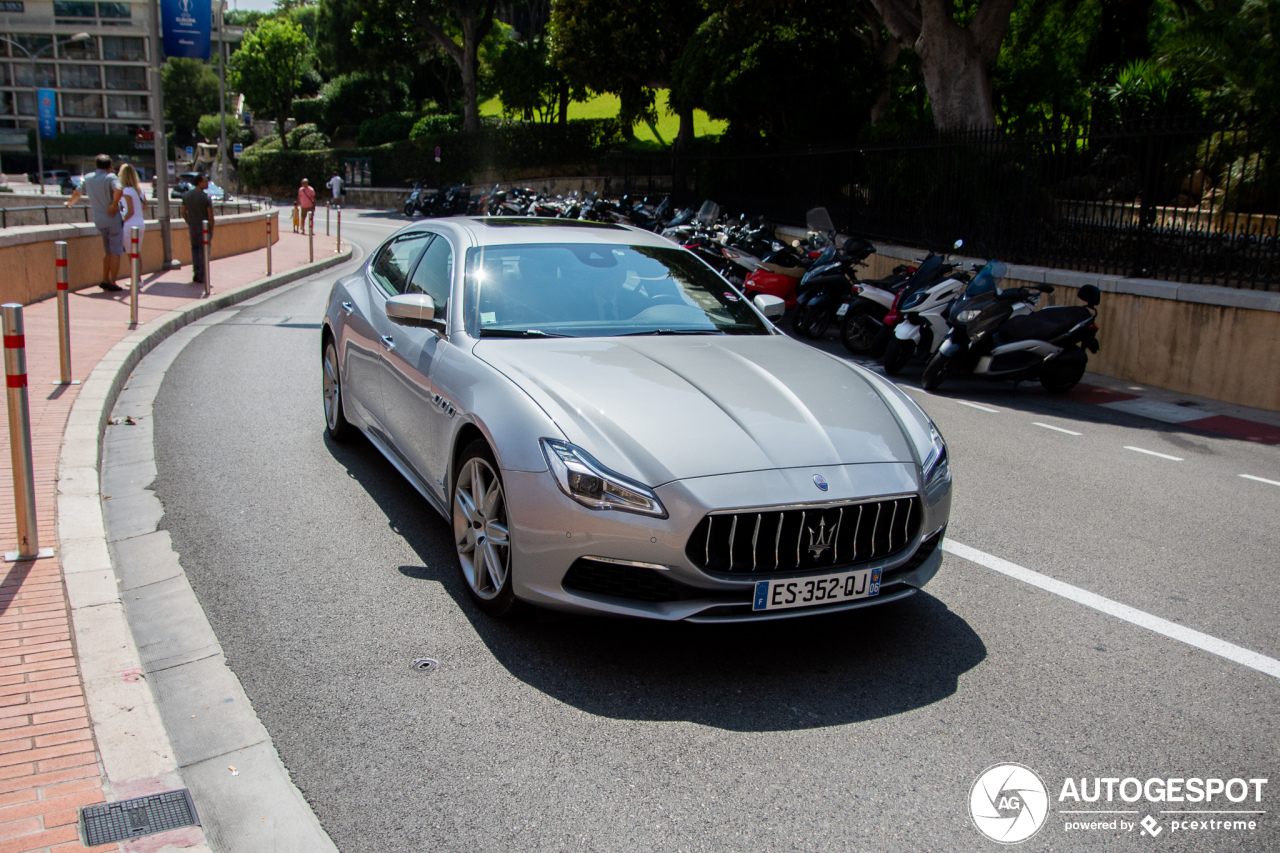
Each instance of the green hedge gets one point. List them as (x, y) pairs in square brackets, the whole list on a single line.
[(391, 127), (506, 145), (307, 110)]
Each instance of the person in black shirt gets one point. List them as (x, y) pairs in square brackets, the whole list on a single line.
[(196, 208)]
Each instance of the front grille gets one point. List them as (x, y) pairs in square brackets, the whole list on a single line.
[(633, 582), (804, 538)]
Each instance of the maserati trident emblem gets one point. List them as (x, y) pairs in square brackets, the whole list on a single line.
[(819, 482), (820, 540)]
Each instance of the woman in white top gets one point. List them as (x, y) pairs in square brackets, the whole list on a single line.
[(131, 205)]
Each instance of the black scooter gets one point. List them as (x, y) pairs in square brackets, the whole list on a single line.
[(827, 285), (987, 339)]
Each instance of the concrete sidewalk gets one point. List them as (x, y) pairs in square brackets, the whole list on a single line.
[(54, 755)]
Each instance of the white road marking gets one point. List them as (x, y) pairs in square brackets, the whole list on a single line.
[(976, 406), (1057, 428), (1260, 479), (1172, 630), (1153, 453)]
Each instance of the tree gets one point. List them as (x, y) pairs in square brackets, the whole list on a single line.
[(268, 68), (190, 91), (446, 20), (628, 49), (955, 60)]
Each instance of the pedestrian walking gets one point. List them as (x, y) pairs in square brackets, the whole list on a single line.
[(307, 203), (104, 192), (196, 208), (131, 202), (335, 188)]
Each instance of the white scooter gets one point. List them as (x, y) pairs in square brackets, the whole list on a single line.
[(924, 322)]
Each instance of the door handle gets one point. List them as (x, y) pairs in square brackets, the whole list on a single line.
[(388, 342), (347, 307)]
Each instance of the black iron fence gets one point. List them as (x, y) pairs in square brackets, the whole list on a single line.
[(1173, 201)]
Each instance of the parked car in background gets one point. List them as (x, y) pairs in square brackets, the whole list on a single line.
[(186, 180), (59, 178)]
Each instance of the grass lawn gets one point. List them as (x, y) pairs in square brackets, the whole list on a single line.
[(606, 106)]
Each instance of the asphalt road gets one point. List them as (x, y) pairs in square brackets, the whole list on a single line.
[(324, 575)]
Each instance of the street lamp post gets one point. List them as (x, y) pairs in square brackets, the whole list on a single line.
[(35, 86)]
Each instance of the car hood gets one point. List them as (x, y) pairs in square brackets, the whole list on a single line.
[(668, 408)]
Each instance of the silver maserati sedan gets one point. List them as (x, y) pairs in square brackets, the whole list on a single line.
[(611, 427)]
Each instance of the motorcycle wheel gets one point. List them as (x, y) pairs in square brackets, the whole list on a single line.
[(858, 331), (408, 210), (938, 369), (819, 322), (799, 318), (897, 354), (1060, 378)]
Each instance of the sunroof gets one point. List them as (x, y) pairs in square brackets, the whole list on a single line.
[(517, 221)]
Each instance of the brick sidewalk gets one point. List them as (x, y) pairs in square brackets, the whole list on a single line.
[(49, 764)]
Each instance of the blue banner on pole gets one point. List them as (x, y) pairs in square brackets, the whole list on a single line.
[(47, 103), (186, 27)]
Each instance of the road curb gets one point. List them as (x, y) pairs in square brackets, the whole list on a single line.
[(136, 752)]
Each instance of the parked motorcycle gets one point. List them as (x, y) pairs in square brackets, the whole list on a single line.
[(987, 339), (413, 204)]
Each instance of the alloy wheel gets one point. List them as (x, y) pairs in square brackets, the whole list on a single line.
[(480, 528)]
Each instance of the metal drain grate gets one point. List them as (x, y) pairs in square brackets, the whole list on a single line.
[(110, 822)]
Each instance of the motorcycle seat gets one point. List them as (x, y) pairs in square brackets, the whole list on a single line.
[(1045, 324)]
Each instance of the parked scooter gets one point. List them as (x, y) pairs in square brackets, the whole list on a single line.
[(924, 321), (827, 286), (413, 204), (987, 339)]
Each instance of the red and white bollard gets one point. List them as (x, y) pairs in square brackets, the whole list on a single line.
[(24, 490), (135, 273), (64, 314), (208, 285), (311, 236), (268, 242)]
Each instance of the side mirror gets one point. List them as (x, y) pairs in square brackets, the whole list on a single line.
[(770, 306), (412, 309)]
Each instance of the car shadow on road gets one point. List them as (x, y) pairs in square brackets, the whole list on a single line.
[(789, 674)]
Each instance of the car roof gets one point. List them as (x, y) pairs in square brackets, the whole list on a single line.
[(508, 230)]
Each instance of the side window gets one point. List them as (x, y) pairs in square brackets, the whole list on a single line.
[(391, 267), (434, 275)]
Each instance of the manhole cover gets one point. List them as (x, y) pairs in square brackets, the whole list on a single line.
[(425, 664), (110, 822)]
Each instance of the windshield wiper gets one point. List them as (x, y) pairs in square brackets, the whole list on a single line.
[(673, 332), (518, 333)]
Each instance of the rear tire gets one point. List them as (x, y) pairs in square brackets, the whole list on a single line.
[(858, 331), (335, 421), (1060, 378), (897, 354), (938, 369)]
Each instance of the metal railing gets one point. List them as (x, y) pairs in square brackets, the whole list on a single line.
[(1179, 201), (81, 213)]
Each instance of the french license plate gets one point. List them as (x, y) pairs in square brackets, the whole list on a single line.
[(842, 310), (806, 592)]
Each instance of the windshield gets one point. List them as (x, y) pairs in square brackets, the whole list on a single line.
[(986, 280), (593, 290)]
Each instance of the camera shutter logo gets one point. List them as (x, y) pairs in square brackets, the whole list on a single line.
[(1008, 803)]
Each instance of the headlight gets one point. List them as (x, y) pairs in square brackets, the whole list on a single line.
[(936, 467), (913, 300), (594, 486), (968, 316)]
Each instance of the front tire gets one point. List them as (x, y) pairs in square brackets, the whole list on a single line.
[(897, 354), (481, 531), (335, 421), (799, 320), (819, 321), (938, 369)]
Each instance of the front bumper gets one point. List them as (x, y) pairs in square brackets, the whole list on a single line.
[(551, 533)]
